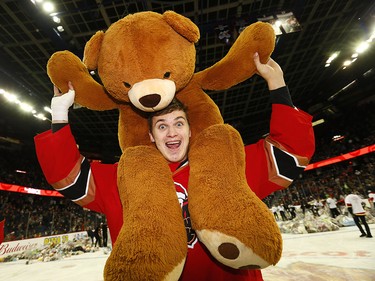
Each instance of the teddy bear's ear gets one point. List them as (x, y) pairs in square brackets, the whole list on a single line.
[(92, 50), (182, 25)]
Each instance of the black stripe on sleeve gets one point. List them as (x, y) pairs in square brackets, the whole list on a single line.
[(79, 188), (57, 126), (287, 165), (281, 96)]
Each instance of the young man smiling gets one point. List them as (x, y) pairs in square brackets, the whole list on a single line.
[(290, 130), (170, 131)]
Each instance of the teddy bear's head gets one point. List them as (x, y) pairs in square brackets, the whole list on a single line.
[(144, 58)]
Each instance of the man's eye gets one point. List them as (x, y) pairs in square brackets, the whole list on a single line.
[(162, 127)]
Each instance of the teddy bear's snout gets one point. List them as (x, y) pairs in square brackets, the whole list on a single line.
[(151, 100)]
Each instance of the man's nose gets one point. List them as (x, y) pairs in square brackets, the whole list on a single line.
[(172, 131)]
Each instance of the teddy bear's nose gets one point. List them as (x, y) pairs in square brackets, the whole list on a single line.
[(151, 100)]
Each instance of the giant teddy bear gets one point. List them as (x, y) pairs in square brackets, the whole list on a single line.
[(144, 60)]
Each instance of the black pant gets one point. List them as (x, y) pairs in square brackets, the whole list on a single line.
[(363, 220), (98, 240), (105, 240), (334, 212)]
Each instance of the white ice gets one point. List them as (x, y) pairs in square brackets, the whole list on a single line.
[(336, 255)]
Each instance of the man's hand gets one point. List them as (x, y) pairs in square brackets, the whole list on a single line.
[(60, 104), (271, 72)]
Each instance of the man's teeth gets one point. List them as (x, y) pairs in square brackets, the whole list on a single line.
[(172, 144)]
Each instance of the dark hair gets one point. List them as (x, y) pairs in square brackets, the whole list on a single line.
[(173, 106)]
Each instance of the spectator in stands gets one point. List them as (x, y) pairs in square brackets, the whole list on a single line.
[(29, 215)]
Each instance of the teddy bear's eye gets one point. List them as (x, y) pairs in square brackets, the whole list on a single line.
[(167, 74), (127, 85)]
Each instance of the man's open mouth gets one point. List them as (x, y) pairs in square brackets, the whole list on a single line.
[(173, 144)]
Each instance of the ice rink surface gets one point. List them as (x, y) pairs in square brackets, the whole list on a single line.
[(326, 256)]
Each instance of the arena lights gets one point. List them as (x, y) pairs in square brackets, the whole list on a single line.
[(24, 106), (46, 108), (318, 122), (332, 58), (49, 8), (361, 48), (337, 137)]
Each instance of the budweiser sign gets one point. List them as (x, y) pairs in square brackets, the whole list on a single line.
[(13, 248)]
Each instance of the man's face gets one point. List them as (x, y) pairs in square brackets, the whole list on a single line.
[(171, 134)]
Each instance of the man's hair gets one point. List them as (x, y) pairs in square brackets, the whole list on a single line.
[(173, 106)]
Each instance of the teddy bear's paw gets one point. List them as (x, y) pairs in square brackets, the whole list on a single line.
[(64, 66), (230, 251)]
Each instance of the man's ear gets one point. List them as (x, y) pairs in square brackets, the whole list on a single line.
[(151, 137)]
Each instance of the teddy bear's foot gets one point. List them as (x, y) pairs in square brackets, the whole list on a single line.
[(234, 224), (115, 271), (152, 242), (230, 251)]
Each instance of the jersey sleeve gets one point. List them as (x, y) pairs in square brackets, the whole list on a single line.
[(65, 169), (275, 161)]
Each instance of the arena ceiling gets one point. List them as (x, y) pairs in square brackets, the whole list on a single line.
[(29, 36)]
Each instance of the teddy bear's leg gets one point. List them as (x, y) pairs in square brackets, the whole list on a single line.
[(233, 223), (152, 243)]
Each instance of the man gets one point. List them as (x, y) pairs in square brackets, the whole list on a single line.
[(274, 211), (354, 205), (2, 223), (104, 233), (62, 165), (371, 199), (90, 233), (98, 236), (281, 210), (332, 205)]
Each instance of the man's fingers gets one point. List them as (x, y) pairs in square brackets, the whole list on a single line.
[(256, 59), (70, 85), (272, 63), (56, 91)]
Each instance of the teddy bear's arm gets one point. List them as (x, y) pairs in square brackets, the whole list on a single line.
[(64, 66), (238, 64)]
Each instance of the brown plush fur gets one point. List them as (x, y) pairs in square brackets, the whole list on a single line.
[(224, 210)]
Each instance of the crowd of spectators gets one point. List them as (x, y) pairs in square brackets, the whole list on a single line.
[(19, 166), (340, 179), (354, 129), (32, 216)]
